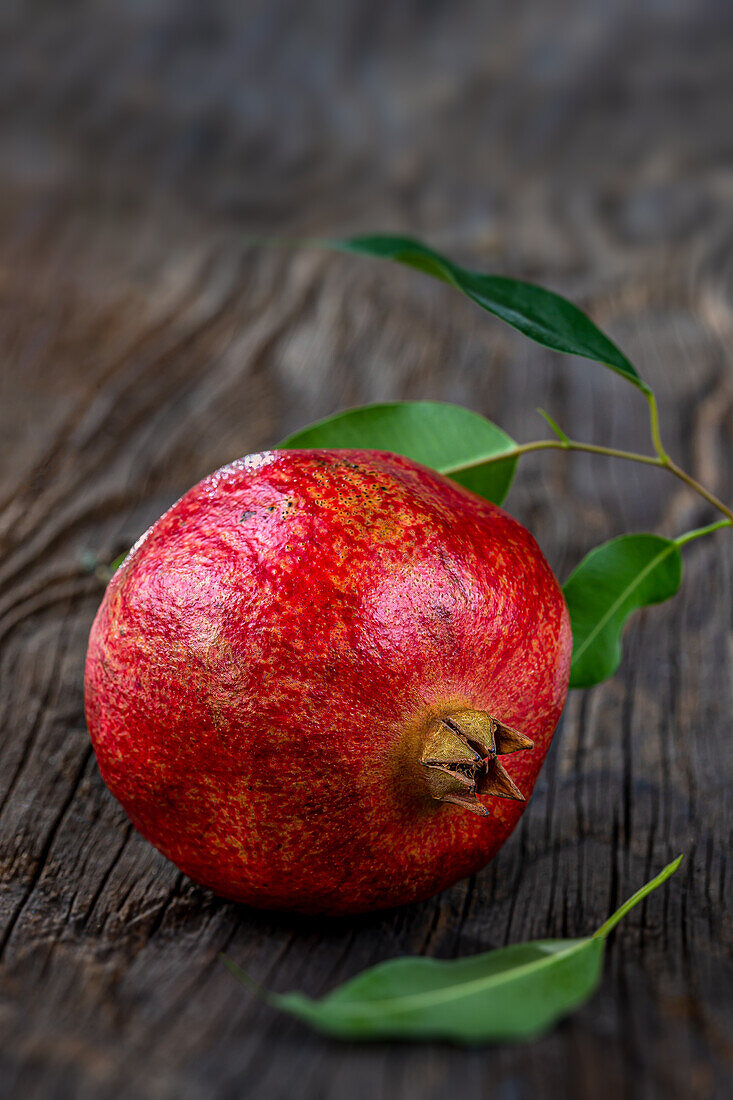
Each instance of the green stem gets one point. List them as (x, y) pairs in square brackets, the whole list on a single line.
[(669, 464), (698, 533), (247, 982), (553, 445), (700, 489), (662, 460), (613, 920), (654, 422)]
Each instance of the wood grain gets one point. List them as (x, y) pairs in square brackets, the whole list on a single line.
[(144, 341)]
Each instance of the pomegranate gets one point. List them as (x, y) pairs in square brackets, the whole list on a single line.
[(327, 680)]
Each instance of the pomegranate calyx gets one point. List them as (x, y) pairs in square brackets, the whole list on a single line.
[(460, 759)]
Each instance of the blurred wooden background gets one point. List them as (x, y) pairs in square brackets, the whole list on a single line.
[(143, 342)]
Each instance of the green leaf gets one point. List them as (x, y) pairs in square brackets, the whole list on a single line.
[(512, 993), (542, 315), (445, 437), (610, 582)]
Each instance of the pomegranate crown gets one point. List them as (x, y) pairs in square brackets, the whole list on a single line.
[(460, 757)]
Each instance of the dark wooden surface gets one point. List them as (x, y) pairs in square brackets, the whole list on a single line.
[(143, 343)]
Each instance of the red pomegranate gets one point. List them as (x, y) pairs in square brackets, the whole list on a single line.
[(327, 680)]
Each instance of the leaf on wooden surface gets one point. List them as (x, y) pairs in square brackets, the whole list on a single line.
[(446, 437), (544, 316), (610, 583), (512, 993)]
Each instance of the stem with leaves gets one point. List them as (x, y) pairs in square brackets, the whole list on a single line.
[(517, 991), (613, 580), (564, 443), (543, 316)]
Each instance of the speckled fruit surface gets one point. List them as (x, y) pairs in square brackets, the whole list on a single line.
[(265, 663)]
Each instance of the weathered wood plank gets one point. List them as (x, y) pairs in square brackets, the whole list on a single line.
[(143, 342)]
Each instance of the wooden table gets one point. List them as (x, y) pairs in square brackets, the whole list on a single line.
[(144, 341)]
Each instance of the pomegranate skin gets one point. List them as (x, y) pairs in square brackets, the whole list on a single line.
[(263, 666)]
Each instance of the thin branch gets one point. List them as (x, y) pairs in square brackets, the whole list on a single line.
[(662, 461), (553, 445), (703, 492), (698, 533), (654, 423)]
